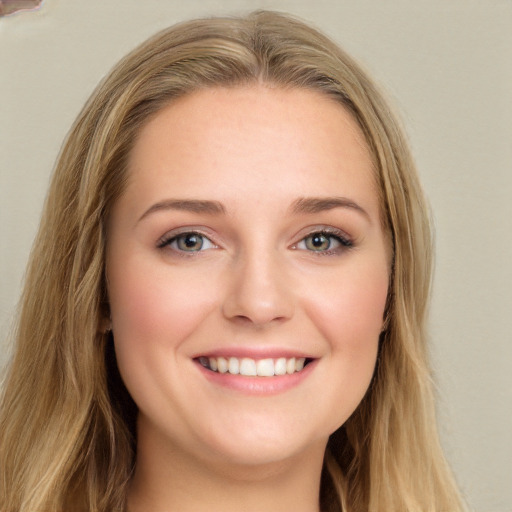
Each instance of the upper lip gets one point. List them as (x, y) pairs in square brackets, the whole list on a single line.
[(255, 353)]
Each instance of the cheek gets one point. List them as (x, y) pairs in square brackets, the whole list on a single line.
[(349, 315), (155, 310), (348, 310), (349, 307), (154, 306)]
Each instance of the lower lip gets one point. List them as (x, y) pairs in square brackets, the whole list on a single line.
[(258, 385)]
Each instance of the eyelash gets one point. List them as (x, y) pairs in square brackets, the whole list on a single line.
[(330, 234), (168, 240)]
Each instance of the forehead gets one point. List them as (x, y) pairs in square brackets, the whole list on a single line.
[(243, 140)]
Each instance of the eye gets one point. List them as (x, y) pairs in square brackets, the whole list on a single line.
[(324, 242), (187, 242)]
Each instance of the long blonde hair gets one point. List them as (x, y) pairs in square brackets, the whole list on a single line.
[(67, 439)]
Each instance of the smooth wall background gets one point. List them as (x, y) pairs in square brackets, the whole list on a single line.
[(447, 67)]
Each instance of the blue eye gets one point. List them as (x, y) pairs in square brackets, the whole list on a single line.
[(188, 242), (324, 242)]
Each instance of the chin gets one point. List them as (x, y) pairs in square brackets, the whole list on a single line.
[(250, 443)]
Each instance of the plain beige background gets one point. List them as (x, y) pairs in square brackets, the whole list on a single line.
[(447, 67)]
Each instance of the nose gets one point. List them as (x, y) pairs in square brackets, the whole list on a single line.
[(260, 291)]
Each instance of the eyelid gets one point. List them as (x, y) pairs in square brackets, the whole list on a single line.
[(346, 242), (169, 237)]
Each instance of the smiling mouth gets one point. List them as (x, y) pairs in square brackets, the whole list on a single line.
[(254, 367)]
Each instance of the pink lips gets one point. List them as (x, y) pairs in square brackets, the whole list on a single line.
[(256, 385), (254, 353)]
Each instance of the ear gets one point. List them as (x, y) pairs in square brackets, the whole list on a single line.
[(105, 325)]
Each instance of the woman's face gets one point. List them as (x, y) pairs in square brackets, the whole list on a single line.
[(248, 240)]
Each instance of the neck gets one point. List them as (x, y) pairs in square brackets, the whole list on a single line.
[(171, 480)]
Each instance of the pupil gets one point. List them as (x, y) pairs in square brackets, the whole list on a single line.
[(319, 241), (192, 241)]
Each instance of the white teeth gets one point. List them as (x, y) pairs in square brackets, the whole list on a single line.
[(252, 367), (222, 365), (265, 368), (248, 367), (234, 366), (280, 366), (290, 366)]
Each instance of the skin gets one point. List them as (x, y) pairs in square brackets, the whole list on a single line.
[(257, 284)]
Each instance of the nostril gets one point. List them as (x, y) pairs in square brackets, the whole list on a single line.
[(257, 321), (258, 299)]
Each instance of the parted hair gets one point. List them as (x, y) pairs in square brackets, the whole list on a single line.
[(67, 423)]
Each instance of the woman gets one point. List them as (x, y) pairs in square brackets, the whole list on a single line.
[(225, 305)]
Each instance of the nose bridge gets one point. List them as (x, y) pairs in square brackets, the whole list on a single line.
[(259, 291)]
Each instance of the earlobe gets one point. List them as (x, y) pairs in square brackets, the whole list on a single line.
[(105, 325)]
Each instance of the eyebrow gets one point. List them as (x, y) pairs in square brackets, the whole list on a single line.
[(309, 205), (303, 205), (189, 205)]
